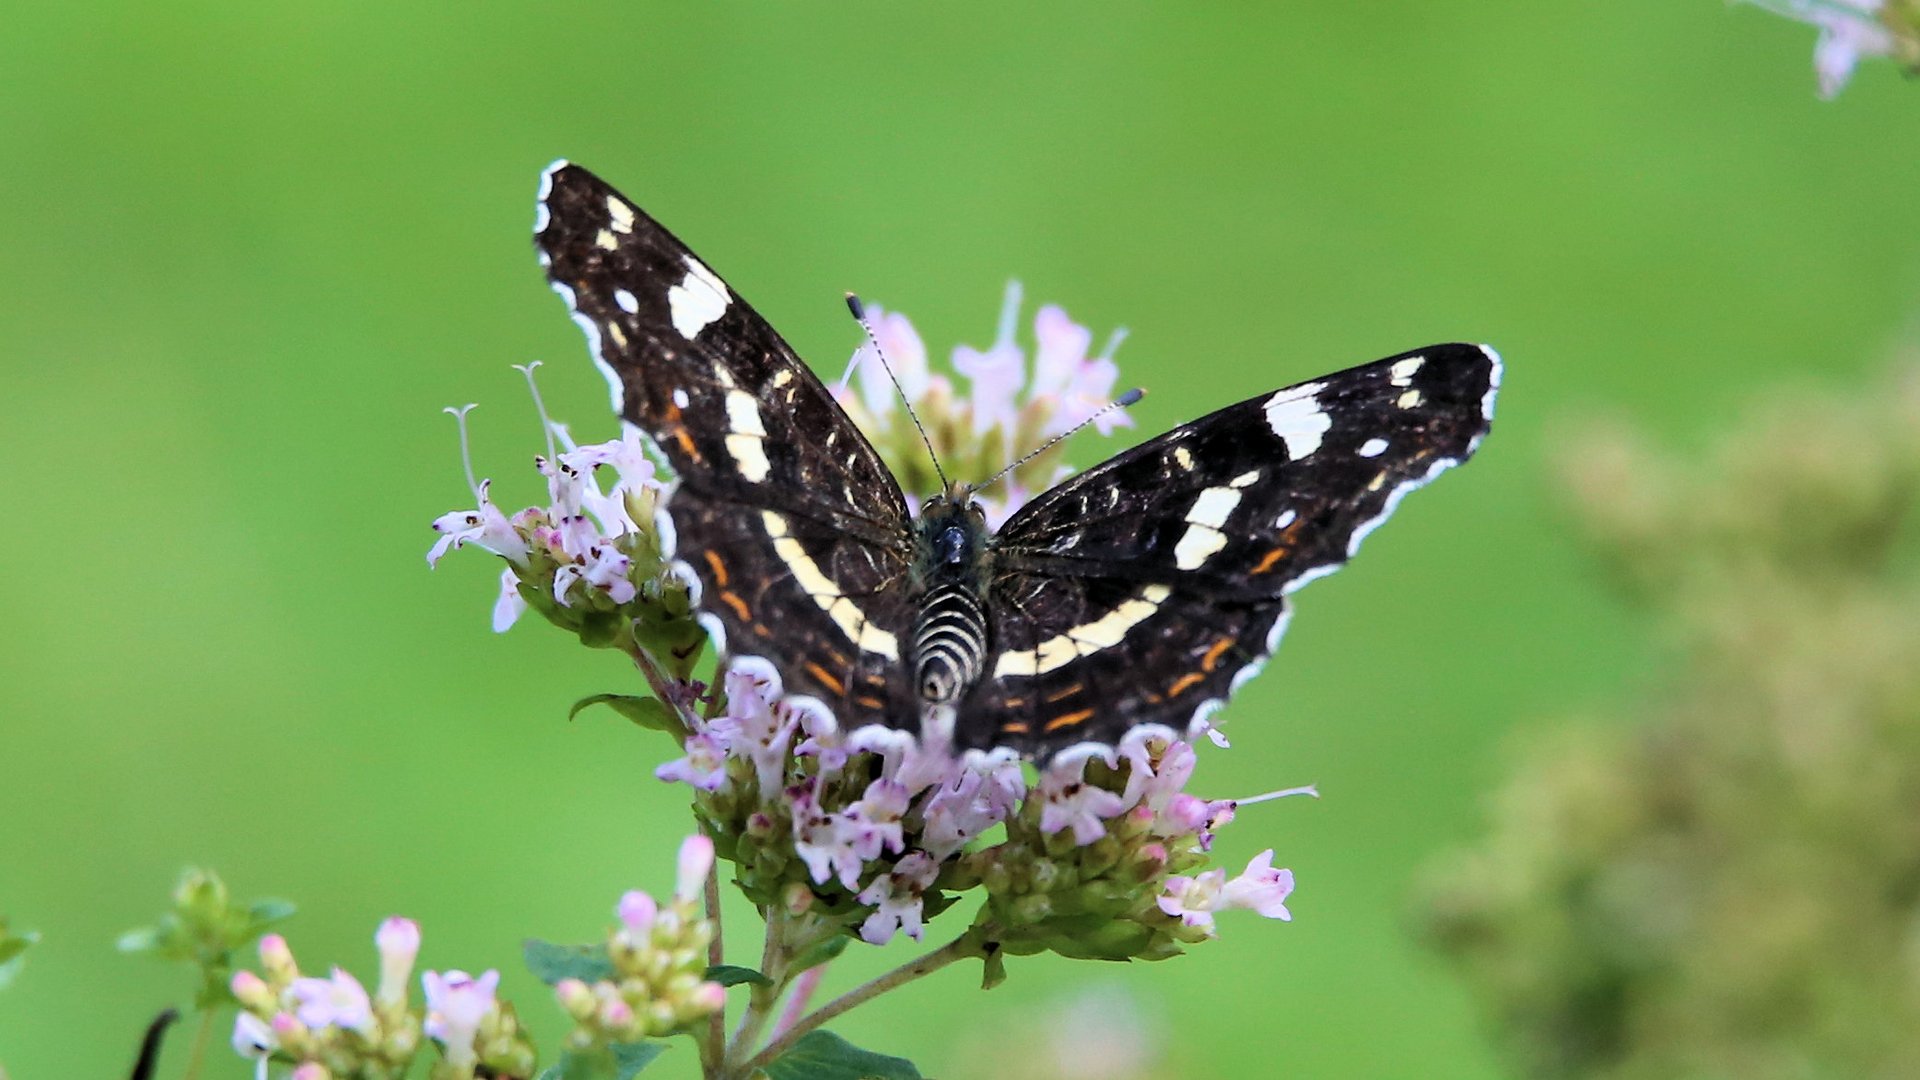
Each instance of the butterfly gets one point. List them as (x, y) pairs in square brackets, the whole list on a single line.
[(1136, 596)]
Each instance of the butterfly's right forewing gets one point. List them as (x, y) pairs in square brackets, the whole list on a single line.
[(792, 528)]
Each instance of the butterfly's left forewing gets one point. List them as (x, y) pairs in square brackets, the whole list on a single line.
[(791, 527), (1143, 591)]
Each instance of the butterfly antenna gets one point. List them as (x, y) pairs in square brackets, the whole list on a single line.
[(860, 316), (1121, 402)]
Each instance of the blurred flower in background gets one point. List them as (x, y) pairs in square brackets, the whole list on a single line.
[(1853, 30), (1724, 880)]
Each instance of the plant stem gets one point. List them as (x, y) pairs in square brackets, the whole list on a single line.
[(202, 1036), (761, 999), (958, 949), (713, 1048)]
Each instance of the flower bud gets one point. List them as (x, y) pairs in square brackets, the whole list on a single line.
[(696, 860), (398, 941), (252, 992), (575, 997), (277, 959)]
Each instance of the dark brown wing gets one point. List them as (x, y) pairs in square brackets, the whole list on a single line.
[(794, 532), (1143, 591)]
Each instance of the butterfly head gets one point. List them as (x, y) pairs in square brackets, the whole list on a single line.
[(952, 529)]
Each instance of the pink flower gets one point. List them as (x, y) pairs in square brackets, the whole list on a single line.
[(484, 526), (510, 605), (253, 1037), (753, 728), (1076, 386), (896, 897), (704, 767), (457, 1003), (1849, 31), (907, 355), (339, 1001), (398, 941), (1070, 803), (968, 803), (1260, 888), (995, 375), (873, 823), (823, 841)]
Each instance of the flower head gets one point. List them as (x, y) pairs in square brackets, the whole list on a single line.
[(456, 1004)]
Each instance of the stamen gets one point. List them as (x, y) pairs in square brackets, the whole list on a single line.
[(1309, 789), (1009, 314), (546, 424), (466, 453), (1113, 343)]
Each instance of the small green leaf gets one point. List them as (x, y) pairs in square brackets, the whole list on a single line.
[(822, 953), (145, 939), (650, 713), (729, 975), (550, 963), (822, 1055), (630, 1058), (264, 913), (13, 956)]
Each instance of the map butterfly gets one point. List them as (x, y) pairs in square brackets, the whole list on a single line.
[(1137, 594)]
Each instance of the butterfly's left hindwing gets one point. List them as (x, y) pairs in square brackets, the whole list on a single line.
[(1144, 590), (794, 531)]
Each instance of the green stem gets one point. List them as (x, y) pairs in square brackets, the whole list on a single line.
[(202, 1038), (958, 949), (713, 1048), (761, 999)]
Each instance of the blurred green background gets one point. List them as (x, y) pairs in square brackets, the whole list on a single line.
[(251, 250)]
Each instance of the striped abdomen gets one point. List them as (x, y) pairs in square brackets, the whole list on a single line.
[(949, 643)]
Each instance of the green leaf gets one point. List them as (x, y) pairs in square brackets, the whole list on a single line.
[(650, 713), (264, 913), (550, 963), (729, 975), (626, 1061), (630, 1058), (13, 956), (822, 1055), (145, 939), (822, 953)]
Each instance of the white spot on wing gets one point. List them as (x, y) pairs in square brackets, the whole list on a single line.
[(1296, 416), (1213, 507), (1183, 457), (1198, 544), (1373, 448), (698, 301), (1285, 519), (1104, 632), (627, 301), (746, 436), (827, 595), (1403, 371), (1409, 399), (619, 214)]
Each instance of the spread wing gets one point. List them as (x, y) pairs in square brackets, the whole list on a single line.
[(1144, 591), (785, 519)]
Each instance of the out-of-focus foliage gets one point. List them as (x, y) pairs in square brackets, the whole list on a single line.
[(1724, 880)]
